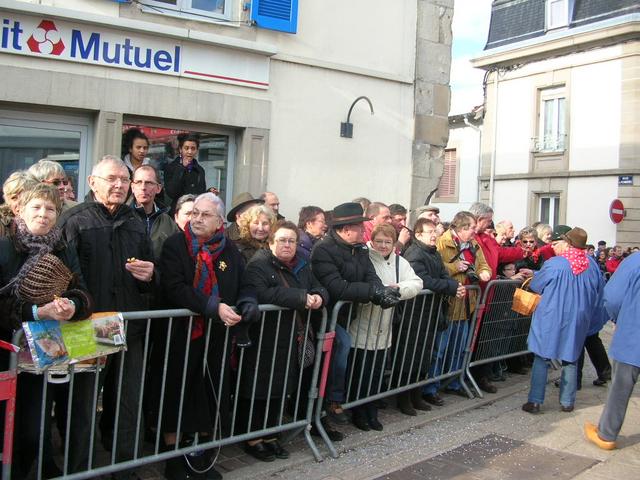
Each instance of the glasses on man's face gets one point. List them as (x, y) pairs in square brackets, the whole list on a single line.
[(113, 180), (57, 182), (529, 241), (285, 241), (144, 183), (383, 243), (195, 214)]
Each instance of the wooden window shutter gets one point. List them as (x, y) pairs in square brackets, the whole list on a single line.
[(447, 185)]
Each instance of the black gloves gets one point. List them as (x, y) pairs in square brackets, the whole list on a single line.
[(249, 312), (386, 297)]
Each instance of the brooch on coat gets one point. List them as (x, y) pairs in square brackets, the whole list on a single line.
[(222, 265)]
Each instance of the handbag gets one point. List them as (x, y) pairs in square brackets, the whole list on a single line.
[(525, 301), (305, 340)]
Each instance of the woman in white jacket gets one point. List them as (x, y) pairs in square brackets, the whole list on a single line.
[(371, 329)]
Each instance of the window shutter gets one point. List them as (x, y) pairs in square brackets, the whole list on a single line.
[(447, 185), (281, 15)]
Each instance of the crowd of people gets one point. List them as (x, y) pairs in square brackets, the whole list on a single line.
[(122, 249)]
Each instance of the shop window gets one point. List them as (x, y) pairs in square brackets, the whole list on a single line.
[(448, 185), (549, 209), (25, 140), (188, 8), (552, 133), (213, 155), (557, 13)]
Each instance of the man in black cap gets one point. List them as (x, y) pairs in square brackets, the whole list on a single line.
[(340, 261)]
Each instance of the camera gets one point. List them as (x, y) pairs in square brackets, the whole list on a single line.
[(472, 275)]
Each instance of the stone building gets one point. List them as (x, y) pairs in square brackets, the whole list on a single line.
[(561, 137), (266, 83)]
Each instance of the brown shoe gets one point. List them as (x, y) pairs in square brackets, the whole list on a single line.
[(486, 386), (591, 433), (531, 407)]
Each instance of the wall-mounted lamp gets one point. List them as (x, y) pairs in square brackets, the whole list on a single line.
[(346, 128)]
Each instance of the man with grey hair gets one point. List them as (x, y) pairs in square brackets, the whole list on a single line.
[(494, 254), (52, 173), (115, 259)]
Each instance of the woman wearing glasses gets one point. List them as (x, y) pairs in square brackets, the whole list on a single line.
[(52, 173), (533, 260), (371, 329), (271, 369)]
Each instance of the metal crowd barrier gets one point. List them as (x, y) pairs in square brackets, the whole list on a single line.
[(412, 333), (500, 333), (157, 380)]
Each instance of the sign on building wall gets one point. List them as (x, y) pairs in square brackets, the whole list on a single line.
[(90, 44)]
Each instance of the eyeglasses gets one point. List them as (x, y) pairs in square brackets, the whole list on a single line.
[(286, 241), (383, 243), (57, 182), (528, 241), (145, 183), (114, 180), (204, 215)]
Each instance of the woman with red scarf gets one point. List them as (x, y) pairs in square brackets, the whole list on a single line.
[(571, 288), (202, 273)]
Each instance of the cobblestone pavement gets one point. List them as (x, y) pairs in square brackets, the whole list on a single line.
[(490, 438)]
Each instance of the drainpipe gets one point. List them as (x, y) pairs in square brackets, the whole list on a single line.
[(479, 130), (495, 140)]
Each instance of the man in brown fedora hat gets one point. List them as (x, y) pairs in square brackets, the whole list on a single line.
[(341, 263), (240, 203)]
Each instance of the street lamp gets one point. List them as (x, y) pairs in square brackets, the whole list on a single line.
[(346, 128)]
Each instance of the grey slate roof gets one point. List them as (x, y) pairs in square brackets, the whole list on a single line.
[(516, 20)]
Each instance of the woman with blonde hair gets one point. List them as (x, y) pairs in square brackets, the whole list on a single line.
[(254, 225), (14, 186)]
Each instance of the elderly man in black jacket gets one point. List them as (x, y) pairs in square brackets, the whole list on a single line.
[(427, 263), (114, 252), (340, 261)]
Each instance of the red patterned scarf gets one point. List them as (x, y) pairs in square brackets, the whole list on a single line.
[(205, 281), (577, 259)]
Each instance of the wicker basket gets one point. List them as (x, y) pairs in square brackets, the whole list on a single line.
[(47, 279), (525, 301)]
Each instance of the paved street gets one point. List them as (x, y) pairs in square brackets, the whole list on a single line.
[(470, 439)]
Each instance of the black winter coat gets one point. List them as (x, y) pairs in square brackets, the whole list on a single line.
[(179, 181), (103, 243), (13, 311), (265, 275), (200, 404), (345, 270), (419, 322)]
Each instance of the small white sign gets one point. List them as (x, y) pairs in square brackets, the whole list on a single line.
[(62, 40)]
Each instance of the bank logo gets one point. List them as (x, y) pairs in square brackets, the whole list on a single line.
[(46, 39)]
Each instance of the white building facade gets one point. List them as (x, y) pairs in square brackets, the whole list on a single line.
[(267, 103), (562, 130)]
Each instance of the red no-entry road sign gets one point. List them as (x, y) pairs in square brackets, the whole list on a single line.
[(616, 211)]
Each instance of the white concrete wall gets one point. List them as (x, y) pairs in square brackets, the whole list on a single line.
[(516, 99), (510, 202), (588, 201), (466, 142), (595, 116), (310, 164)]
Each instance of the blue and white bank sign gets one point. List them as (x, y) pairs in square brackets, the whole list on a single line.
[(61, 40)]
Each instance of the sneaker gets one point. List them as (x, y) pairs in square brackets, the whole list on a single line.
[(336, 413), (531, 407), (591, 433)]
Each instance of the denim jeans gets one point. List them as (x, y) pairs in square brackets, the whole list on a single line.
[(338, 368), (451, 343), (568, 382)]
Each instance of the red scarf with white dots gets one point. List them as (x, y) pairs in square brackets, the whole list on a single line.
[(577, 259)]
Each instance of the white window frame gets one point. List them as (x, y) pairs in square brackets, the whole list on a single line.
[(184, 9), (563, 21), (51, 121), (554, 208), (556, 141)]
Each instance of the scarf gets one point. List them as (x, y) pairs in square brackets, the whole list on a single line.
[(36, 246), (577, 259), (204, 281)]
